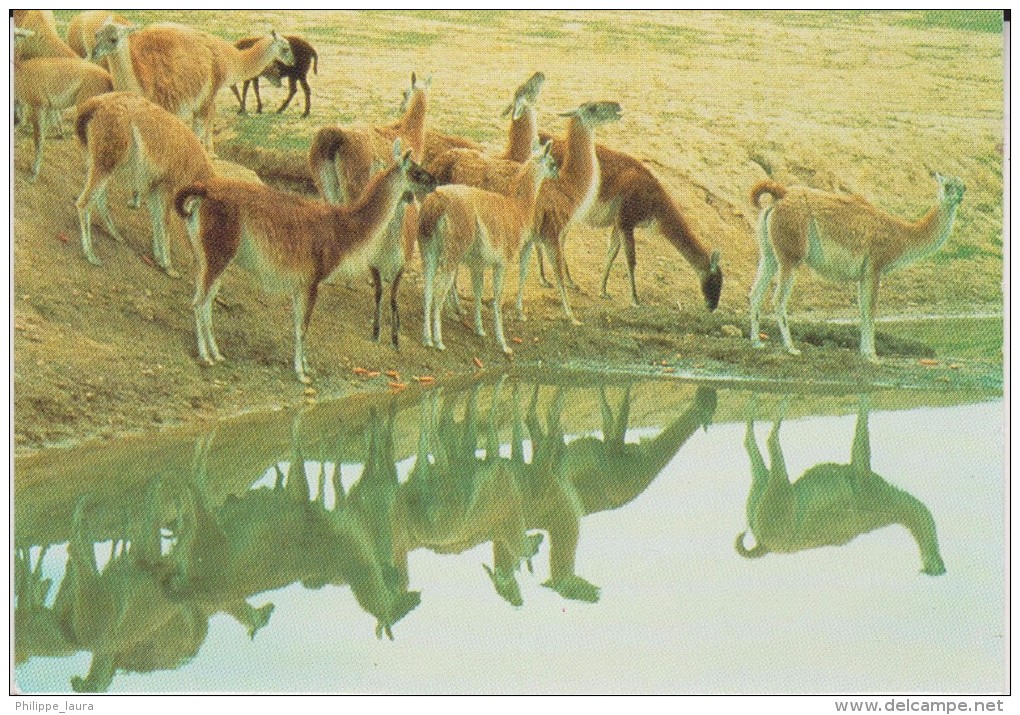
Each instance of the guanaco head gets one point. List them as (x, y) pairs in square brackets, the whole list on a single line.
[(109, 36), (22, 33), (526, 94), (415, 91), (422, 182), (541, 154), (951, 188), (592, 114), (711, 282), (282, 50), (419, 181)]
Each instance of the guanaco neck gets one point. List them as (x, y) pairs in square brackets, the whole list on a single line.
[(357, 224), (525, 189), (251, 62), (648, 458), (580, 165), (678, 231), (122, 68), (928, 234), (411, 127), (522, 135), (934, 235), (918, 519)]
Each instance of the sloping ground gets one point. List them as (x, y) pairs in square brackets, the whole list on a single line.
[(712, 101)]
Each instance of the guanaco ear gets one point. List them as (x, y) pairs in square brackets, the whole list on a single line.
[(428, 82), (274, 34), (414, 80), (548, 148), (713, 261), (506, 112), (398, 149)]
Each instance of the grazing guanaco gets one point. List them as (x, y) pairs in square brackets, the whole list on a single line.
[(125, 128), (482, 229), (631, 196), (46, 86), (845, 239), (305, 58), (290, 243), (172, 66)]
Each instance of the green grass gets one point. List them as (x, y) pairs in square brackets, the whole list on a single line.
[(269, 131), (964, 338), (383, 40), (482, 135), (972, 20), (461, 17), (977, 20), (963, 252)]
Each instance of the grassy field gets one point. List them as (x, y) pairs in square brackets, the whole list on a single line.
[(862, 101)]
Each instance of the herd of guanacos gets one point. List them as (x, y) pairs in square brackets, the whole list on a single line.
[(389, 188)]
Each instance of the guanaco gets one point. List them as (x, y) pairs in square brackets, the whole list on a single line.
[(561, 201), (462, 165), (342, 160), (844, 239), (290, 243), (482, 229), (631, 196), (121, 128)]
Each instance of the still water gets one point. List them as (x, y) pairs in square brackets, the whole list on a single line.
[(512, 536)]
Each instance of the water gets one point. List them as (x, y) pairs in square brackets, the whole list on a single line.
[(515, 537)]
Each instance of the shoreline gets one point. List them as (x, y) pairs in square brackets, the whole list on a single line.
[(893, 373)]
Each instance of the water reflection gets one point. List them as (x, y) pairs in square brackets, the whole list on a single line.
[(341, 495), (830, 504)]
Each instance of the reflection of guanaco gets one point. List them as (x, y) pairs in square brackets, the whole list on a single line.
[(830, 504), (459, 501), (587, 475), (363, 521), (121, 614), (269, 538), (37, 630)]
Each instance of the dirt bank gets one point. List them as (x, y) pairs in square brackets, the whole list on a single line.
[(105, 351)]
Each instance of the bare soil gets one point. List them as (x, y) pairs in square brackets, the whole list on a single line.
[(712, 102)]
